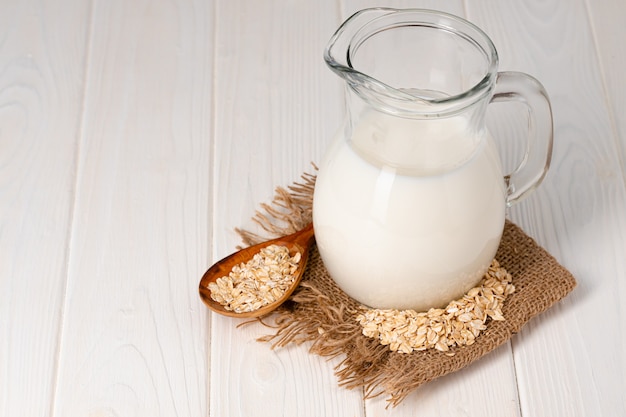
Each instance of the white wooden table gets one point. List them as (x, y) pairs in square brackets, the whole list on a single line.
[(136, 134)]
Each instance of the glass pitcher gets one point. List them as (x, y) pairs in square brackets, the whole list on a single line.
[(410, 199)]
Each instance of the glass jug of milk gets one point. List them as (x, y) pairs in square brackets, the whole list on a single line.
[(409, 203)]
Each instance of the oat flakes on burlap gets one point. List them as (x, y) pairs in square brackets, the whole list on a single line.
[(324, 316)]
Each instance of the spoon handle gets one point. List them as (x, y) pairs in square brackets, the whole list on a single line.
[(303, 236)]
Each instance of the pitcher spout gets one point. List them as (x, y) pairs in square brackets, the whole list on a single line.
[(338, 51)]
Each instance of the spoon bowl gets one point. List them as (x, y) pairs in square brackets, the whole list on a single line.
[(297, 242)]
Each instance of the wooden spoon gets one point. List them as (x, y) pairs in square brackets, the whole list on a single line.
[(297, 242)]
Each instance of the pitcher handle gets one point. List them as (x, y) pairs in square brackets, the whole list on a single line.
[(521, 87)]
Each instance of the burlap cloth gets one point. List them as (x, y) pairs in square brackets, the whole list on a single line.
[(322, 315)]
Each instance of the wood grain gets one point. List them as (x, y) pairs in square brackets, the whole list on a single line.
[(135, 332), (607, 28), (42, 55)]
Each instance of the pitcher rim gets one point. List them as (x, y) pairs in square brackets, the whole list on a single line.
[(403, 100)]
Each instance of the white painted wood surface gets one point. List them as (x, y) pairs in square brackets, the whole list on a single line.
[(135, 135)]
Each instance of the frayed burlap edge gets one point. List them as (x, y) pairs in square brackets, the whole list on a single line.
[(320, 314)]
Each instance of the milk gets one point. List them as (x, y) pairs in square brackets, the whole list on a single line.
[(409, 213)]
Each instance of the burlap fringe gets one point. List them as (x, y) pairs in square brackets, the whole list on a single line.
[(289, 212), (366, 364)]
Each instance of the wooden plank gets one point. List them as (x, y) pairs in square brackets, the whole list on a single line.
[(277, 107), (42, 51), (135, 333), (568, 361), (607, 20), (607, 23)]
